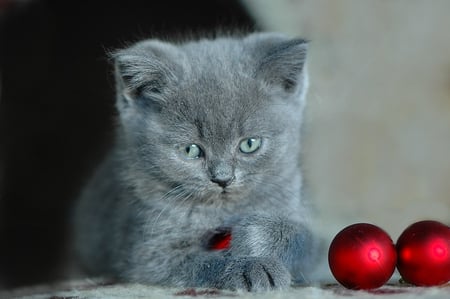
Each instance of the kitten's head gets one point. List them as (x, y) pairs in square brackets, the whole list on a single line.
[(211, 120)]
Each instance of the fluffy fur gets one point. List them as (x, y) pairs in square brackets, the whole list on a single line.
[(209, 137)]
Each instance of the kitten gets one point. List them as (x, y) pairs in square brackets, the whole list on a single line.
[(209, 137)]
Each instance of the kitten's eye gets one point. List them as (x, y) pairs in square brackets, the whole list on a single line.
[(250, 145), (192, 151)]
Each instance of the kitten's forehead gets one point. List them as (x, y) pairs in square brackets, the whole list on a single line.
[(218, 91), (221, 93), (218, 104)]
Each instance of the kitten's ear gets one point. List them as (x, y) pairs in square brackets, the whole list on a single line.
[(145, 73), (281, 61)]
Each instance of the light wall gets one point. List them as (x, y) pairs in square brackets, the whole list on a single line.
[(377, 144)]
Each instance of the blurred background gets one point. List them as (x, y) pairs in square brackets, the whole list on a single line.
[(378, 129), (377, 134)]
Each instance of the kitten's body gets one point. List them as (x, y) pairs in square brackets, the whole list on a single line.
[(209, 137)]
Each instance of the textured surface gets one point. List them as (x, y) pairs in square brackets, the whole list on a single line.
[(89, 289)]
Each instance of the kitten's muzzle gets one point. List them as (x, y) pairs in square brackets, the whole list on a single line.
[(221, 172)]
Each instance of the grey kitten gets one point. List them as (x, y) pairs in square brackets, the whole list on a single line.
[(209, 137)]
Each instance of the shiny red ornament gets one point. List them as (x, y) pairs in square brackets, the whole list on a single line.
[(222, 243), (220, 240), (424, 253), (362, 256)]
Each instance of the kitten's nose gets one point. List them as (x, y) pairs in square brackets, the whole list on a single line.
[(221, 172), (222, 181)]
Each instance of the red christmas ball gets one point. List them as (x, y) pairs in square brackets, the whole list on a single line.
[(222, 242), (424, 253), (362, 256), (220, 239)]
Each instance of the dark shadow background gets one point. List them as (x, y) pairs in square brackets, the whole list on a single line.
[(57, 110)]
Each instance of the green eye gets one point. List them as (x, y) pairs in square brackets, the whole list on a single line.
[(192, 151), (250, 145)]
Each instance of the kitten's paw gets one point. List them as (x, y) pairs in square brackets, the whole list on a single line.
[(273, 236), (255, 274)]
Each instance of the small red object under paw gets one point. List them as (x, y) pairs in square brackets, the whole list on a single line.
[(220, 240)]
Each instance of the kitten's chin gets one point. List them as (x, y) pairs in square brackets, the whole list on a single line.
[(225, 194), (229, 194)]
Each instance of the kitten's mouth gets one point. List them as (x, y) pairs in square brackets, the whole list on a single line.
[(222, 193), (226, 193)]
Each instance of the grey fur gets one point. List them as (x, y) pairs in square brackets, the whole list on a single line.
[(145, 214)]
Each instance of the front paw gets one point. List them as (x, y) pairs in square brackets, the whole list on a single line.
[(254, 274), (275, 237)]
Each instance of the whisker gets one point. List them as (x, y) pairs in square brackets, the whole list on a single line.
[(167, 197)]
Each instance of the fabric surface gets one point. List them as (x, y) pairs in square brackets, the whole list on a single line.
[(81, 289)]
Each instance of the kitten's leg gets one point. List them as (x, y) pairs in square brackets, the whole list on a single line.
[(267, 252), (195, 266), (274, 236)]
